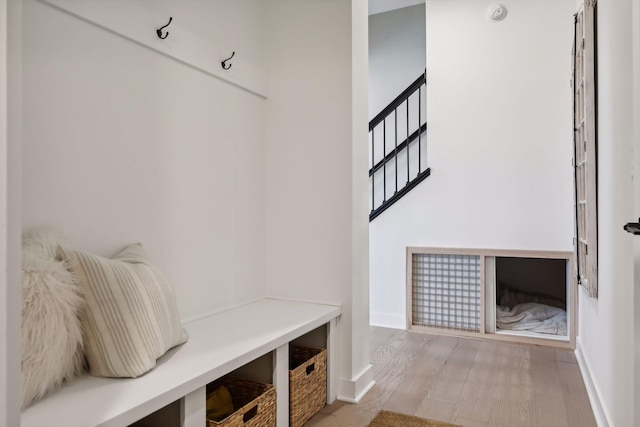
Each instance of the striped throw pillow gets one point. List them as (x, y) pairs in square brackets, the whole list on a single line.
[(131, 317)]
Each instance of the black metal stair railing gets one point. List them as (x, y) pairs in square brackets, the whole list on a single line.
[(400, 160)]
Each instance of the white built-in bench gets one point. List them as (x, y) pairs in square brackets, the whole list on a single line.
[(218, 344)]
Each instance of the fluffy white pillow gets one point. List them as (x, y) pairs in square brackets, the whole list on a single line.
[(130, 317), (51, 330)]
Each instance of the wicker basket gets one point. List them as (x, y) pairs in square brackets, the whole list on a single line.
[(254, 403), (307, 383)]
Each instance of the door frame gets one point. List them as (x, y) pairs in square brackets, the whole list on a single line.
[(635, 24)]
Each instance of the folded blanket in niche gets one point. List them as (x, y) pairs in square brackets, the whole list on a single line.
[(532, 316)]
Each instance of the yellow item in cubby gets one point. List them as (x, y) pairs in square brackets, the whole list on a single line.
[(219, 404)]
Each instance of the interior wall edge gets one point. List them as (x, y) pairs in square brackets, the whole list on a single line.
[(599, 411), (11, 192)]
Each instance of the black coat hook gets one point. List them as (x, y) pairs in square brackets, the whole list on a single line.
[(159, 30), (633, 227), (224, 63)]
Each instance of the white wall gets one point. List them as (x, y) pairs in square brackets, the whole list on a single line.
[(122, 144), (396, 54), (606, 324), (312, 219), (10, 166), (5, 343), (499, 142), (380, 6)]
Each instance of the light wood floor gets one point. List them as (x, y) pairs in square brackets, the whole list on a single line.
[(467, 382)]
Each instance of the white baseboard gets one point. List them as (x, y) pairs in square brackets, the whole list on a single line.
[(352, 391), (592, 390), (388, 320)]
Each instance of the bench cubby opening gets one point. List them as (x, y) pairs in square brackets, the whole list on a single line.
[(167, 416), (260, 370), (316, 338)]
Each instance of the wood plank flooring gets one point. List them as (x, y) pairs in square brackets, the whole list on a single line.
[(467, 382)]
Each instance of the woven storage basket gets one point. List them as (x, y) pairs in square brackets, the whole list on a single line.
[(254, 403), (307, 383)]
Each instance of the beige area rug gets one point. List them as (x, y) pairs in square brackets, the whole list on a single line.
[(395, 419)]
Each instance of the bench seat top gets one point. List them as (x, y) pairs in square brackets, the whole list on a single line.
[(217, 345)]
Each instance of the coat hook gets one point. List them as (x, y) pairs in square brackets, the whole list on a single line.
[(159, 30), (224, 63)]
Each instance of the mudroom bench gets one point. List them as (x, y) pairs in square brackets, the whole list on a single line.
[(218, 344)]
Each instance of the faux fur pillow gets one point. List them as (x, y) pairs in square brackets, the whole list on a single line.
[(131, 316), (51, 331)]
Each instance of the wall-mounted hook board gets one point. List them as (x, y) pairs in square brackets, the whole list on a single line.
[(139, 25)]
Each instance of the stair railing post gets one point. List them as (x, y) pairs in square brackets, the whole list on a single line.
[(384, 160), (395, 112), (373, 173), (419, 129), (408, 143)]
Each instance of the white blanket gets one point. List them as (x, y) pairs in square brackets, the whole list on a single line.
[(532, 316)]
